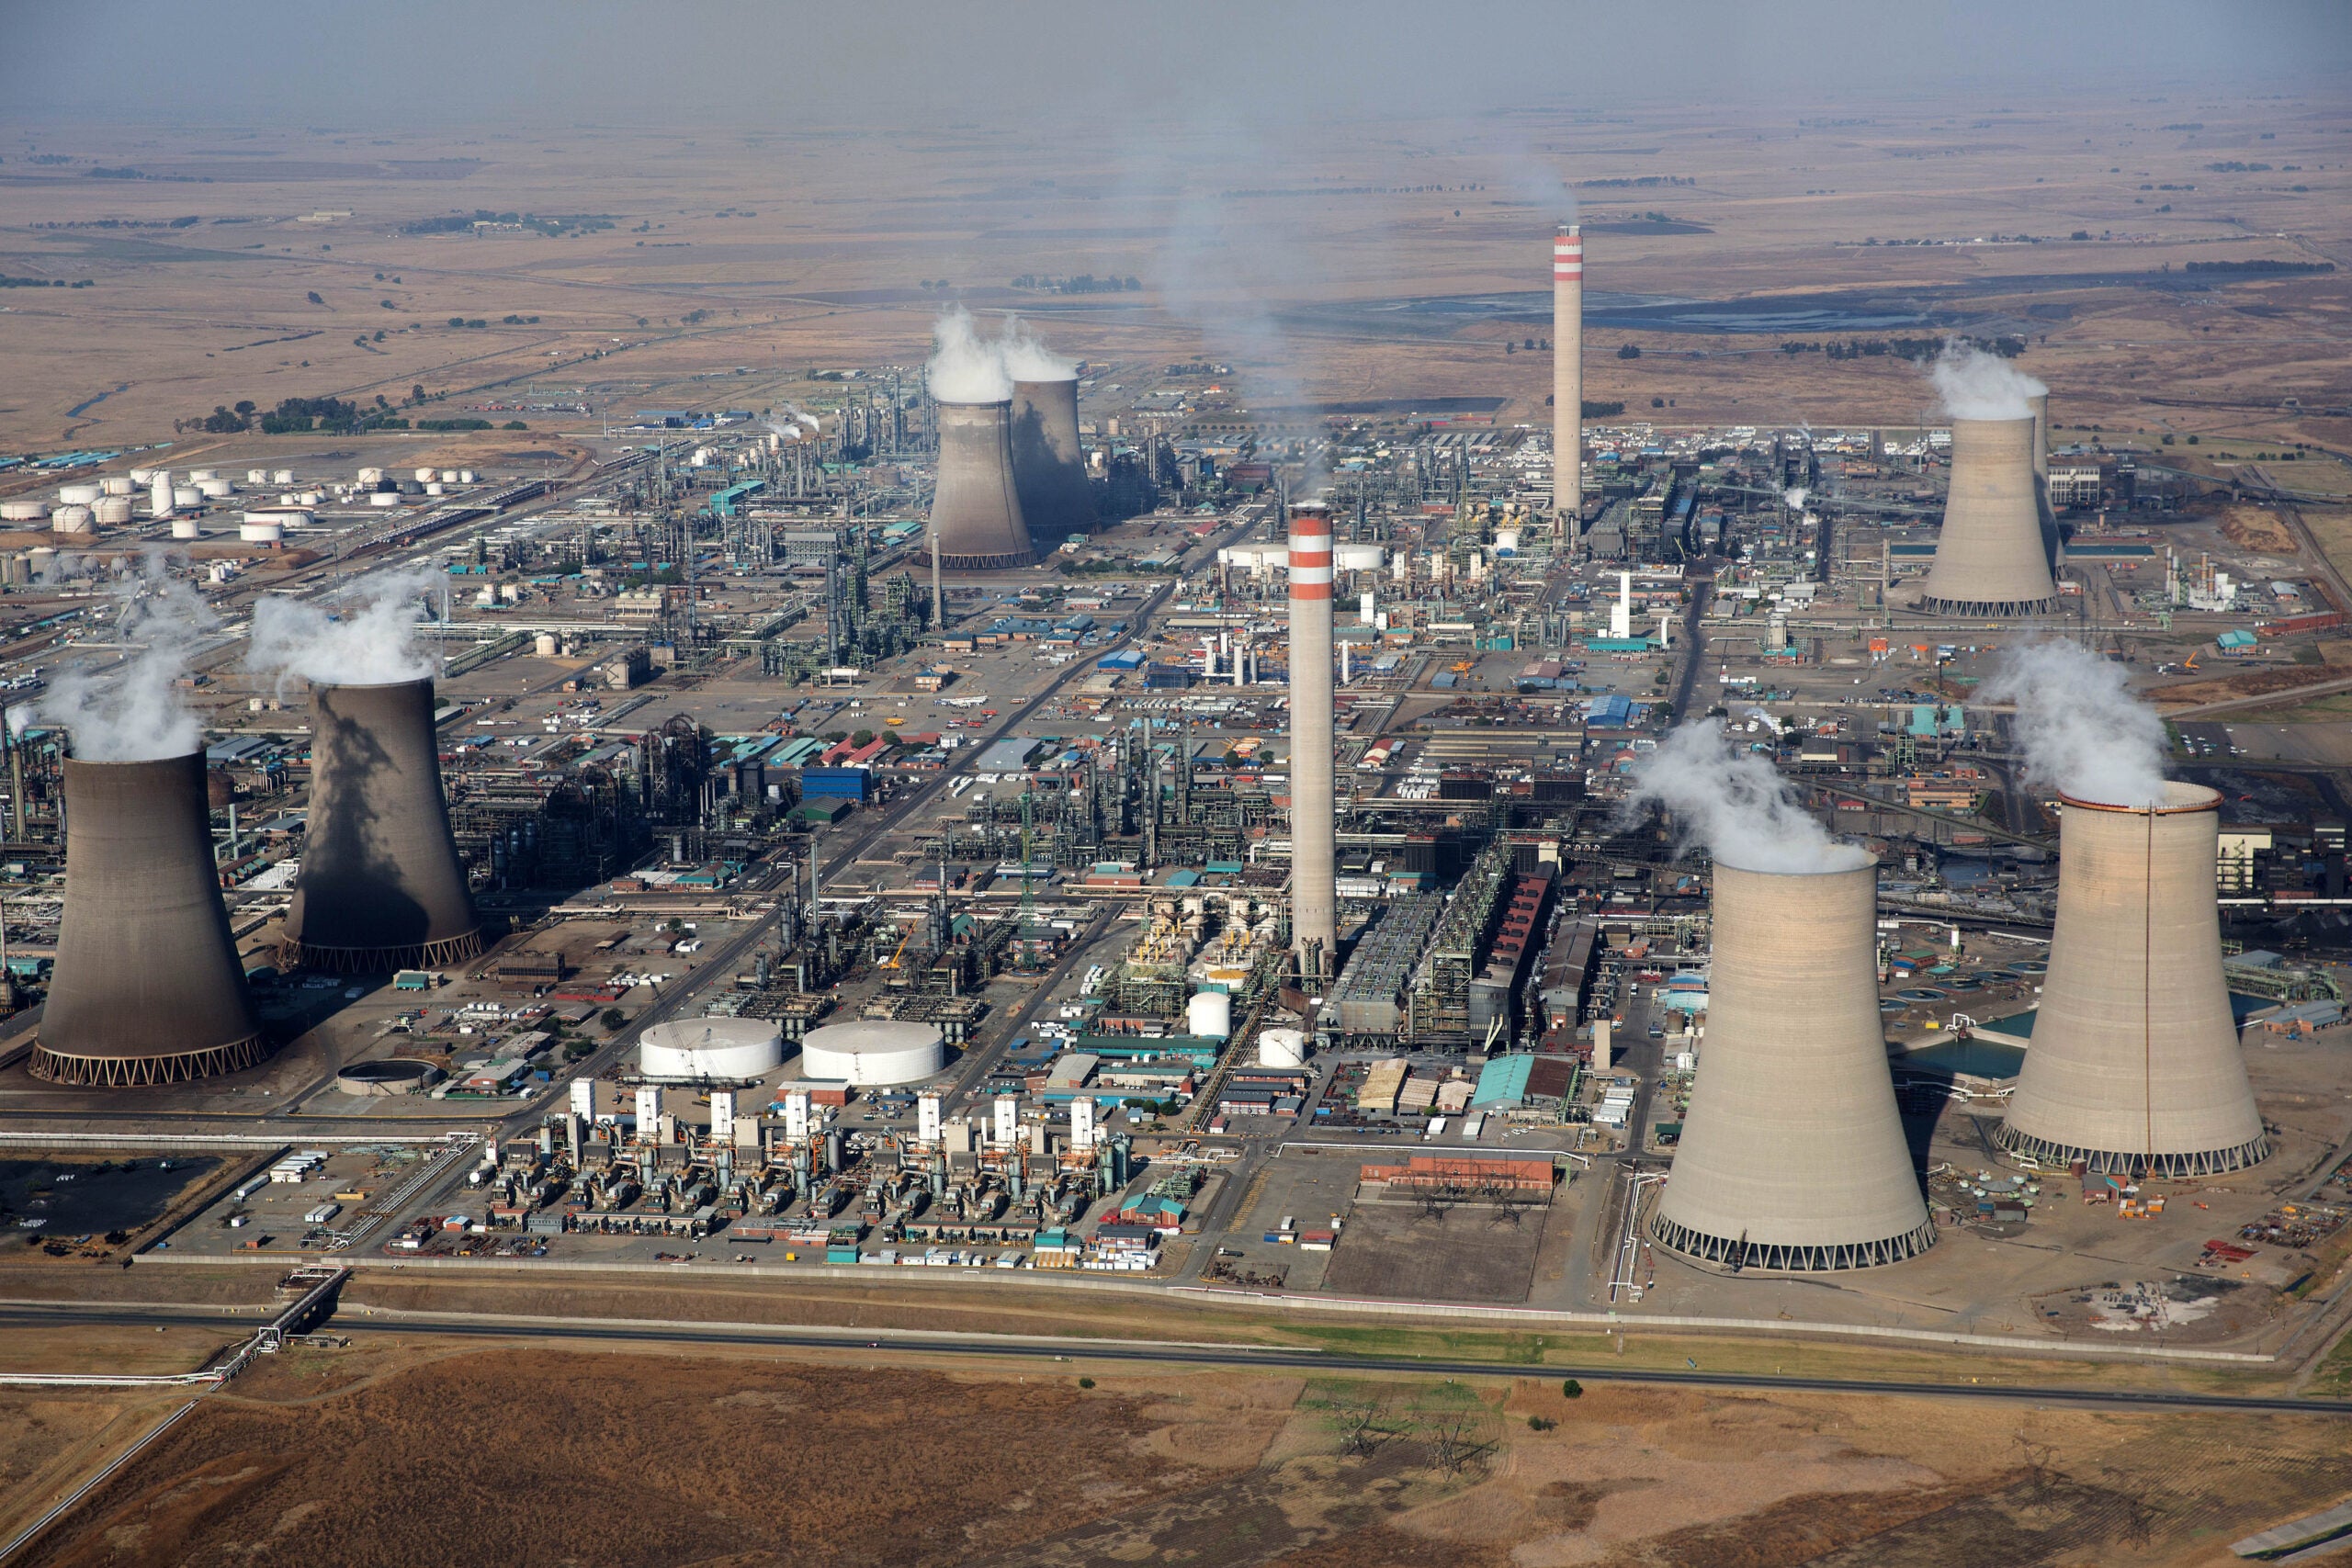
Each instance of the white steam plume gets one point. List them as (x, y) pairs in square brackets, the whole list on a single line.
[(966, 367), (1735, 805), (363, 636), (2083, 733), (1027, 359), (133, 712), (1977, 385)]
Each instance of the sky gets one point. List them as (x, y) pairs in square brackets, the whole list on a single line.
[(416, 64)]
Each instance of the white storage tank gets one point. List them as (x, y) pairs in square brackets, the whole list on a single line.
[(308, 498), (215, 490), (118, 484), (423, 474), (384, 498), (79, 494), (281, 476), (185, 528), (1209, 1015), (23, 511), (544, 644), (1506, 541), (38, 560), (435, 488), (465, 476), (197, 476), (256, 476), (711, 1048), (369, 476), (448, 476), (1282, 1048), (71, 519), (112, 511), (269, 531), (873, 1054), (142, 478), (187, 495), (1357, 558)]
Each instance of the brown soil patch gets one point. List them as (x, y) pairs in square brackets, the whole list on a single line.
[(2253, 683), (2257, 529)]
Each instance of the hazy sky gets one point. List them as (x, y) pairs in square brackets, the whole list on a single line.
[(407, 63)]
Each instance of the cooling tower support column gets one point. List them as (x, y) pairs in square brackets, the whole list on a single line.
[(1314, 892), (381, 886), (1567, 377), (2134, 1066), (1793, 1154), (147, 989), (976, 519), (1990, 559), (1048, 464)]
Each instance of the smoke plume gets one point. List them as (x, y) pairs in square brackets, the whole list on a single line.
[(363, 636), (1977, 385), (1027, 359), (132, 712), (1735, 804), (966, 367), (2083, 733)]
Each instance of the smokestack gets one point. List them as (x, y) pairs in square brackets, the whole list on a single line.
[(1314, 894), (381, 886), (977, 524), (147, 989), (2135, 1067), (1989, 558), (1568, 375), (1048, 465), (1792, 1155)]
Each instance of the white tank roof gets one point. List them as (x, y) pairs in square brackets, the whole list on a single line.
[(711, 1048), (870, 1053)]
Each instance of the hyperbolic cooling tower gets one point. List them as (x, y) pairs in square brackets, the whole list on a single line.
[(1792, 1155), (381, 886), (976, 519), (147, 987), (1989, 558), (2134, 1066), (1314, 888), (2040, 403), (1567, 373), (1048, 465)]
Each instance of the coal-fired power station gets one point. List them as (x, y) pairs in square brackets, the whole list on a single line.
[(1990, 560), (146, 987), (1792, 1155), (1048, 464), (380, 886), (2135, 1067), (977, 524), (1567, 375), (1313, 868)]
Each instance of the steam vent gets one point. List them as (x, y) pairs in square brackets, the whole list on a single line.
[(1048, 465), (977, 523), (381, 886), (1792, 1155), (147, 987), (2135, 1067), (1989, 559)]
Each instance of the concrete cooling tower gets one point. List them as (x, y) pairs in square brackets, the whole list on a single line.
[(1314, 885), (1989, 559), (976, 519), (147, 989), (2134, 1066), (1792, 1155), (381, 886), (1048, 465)]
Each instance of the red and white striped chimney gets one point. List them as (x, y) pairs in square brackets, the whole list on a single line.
[(1314, 895), (1567, 375)]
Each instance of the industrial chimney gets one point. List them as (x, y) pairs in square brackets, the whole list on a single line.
[(1314, 891), (147, 989), (2135, 1067), (1989, 558), (381, 886), (1048, 465), (1793, 1154), (976, 519), (1568, 375)]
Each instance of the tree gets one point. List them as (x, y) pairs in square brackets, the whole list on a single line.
[(245, 408), (1630, 351), (612, 1017), (416, 393), (315, 298), (1572, 1389)]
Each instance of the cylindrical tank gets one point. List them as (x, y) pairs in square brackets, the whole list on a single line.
[(23, 511), (710, 1048), (141, 478), (308, 498), (1282, 1048), (147, 987), (160, 497), (281, 476), (1048, 464), (370, 476), (215, 489), (435, 488), (119, 484), (262, 532), (1358, 558), (425, 474), (112, 511), (384, 498), (256, 476), (185, 528), (976, 518), (79, 494), (381, 886), (1209, 1015), (1506, 541), (448, 476), (1793, 1154), (1989, 557), (2134, 1066), (197, 476), (38, 560), (187, 495), (544, 644), (465, 476), (71, 519), (873, 1055)]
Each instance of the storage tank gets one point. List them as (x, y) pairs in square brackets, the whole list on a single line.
[(1358, 558), (465, 476), (371, 475), (72, 520), (698, 1048), (24, 511), (976, 519), (197, 476), (435, 488), (119, 484), (38, 560), (2135, 1067), (1506, 541), (425, 474), (256, 476), (141, 478), (448, 476), (384, 498), (1990, 560), (270, 532), (79, 494), (1209, 1015), (873, 1054), (1282, 1048), (544, 644), (185, 528), (215, 490), (308, 498), (187, 495), (112, 511), (281, 476), (1792, 1155)]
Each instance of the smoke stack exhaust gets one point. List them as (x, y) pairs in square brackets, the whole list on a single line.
[(976, 519), (1989, 558), (1048, 464), (1792, 1155), (1313, 893), (2135, 1067), (1568, 375), (381, 886), (148, 988)]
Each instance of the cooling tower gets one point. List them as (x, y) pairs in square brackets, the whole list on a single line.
[(1792, 1155), (1568, 374), (1989, 558), (147, 987), (2134, 1066), (1314, 890), (2040, 402), (1048, 465), (381, 886), (976, 519)]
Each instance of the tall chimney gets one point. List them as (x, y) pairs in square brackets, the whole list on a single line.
[(1048, 465), (976, 518), (1990, 560), (1568, 375), (1314, 895)]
